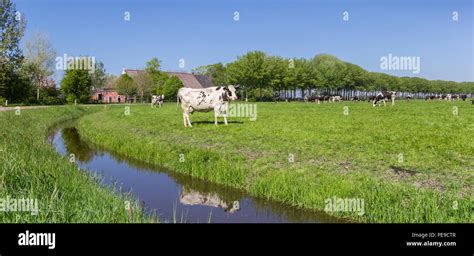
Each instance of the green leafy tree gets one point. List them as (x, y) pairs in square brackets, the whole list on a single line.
[(12, 26), (152, 69), (76, 85), (171, 87), (99, 76), (124, 86), (217, 72), (249, 70), (329, 71), (277, 68)]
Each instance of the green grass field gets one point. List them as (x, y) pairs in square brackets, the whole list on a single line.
[(30, 168), (413, 162)]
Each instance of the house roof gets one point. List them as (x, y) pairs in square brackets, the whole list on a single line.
[(188, 79)]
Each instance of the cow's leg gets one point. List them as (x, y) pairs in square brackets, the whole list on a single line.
[(384, 102), (225, 118), (374, 102), (185, 120), (216, 114)]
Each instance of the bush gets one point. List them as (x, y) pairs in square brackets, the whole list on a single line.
[(2, 101), (49, 100)]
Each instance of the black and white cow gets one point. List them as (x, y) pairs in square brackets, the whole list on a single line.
[(449, 97), (336, 98), (312, 98), (383, 96), (323, 98), (157, 100), (205, 100)]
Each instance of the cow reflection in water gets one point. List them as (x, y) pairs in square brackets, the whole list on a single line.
[(193, 197)]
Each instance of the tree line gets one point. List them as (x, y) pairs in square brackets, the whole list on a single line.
[(261, 75)]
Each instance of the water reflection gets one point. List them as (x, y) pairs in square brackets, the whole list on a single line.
[(171, 194)]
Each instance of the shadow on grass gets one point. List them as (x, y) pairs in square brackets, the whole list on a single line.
[(218, 122)]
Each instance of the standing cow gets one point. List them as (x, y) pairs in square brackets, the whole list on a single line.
[(157, 100), (448, 97), (204, 100), (336, 98), (383, 96)]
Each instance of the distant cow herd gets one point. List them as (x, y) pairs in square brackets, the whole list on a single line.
[(447, 97), (325, 97), (377, 100)]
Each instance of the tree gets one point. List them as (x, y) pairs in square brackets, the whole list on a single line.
[(39, 56), (152, 69), (12, 26), (143, 84), (171, 87), (329, 71), (99, 76), (217, 72), (277, 68), (76, 85), (124, 86), (249, 70), (299, 75)]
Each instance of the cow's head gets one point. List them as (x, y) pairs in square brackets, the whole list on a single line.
[(229, 93)]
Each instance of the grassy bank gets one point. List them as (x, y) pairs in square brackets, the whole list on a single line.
[(410, 163), (31, 169)]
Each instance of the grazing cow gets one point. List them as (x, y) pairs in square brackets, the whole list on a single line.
[(355, 98), (432, 97), (383, 96), (409, 97), (336, 98), (463, 97), (448, 97), (455, 97), (323, 98), (205, 100), (157, 100), (312, 98)]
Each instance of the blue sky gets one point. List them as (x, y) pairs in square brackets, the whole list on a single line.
[(205, 32)]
